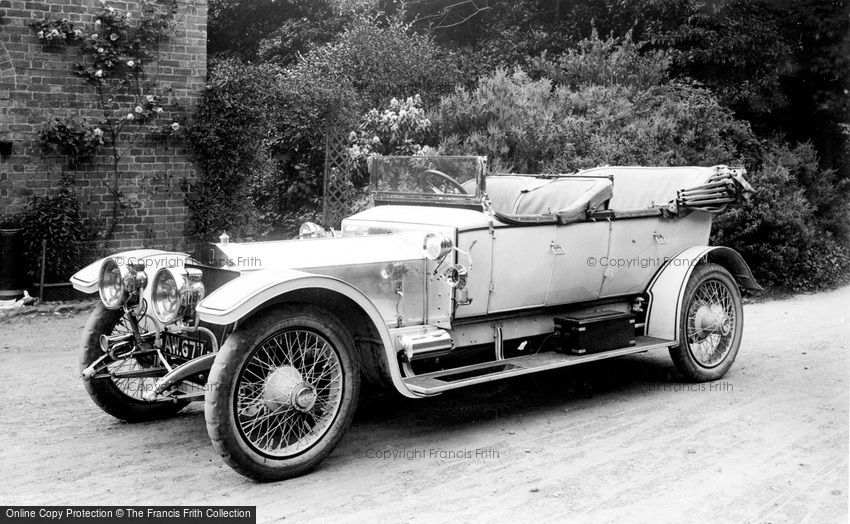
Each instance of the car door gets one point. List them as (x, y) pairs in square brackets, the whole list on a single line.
[(637, 252), (521, 267), (579, 251), (641, 246)]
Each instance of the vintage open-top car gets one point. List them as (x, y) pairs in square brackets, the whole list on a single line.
[(455, 277)]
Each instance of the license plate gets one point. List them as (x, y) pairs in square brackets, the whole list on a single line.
[(183, 347)]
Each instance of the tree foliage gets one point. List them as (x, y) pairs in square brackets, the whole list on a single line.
[(236, 27), (602, 103), (781, 233), (231, 123), (260, 130), (332, 85), (534, 86)]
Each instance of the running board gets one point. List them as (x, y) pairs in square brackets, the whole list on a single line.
[(439, 381)]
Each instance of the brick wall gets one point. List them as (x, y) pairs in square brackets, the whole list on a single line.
[(36, 83)]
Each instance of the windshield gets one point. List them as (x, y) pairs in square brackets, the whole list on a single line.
[(449, 179)]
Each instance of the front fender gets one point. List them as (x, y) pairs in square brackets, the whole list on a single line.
[(667, 289), (240, 297), (86, 279)]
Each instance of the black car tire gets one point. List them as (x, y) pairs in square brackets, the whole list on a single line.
[(104, 391), (685, 356), (229, 438)]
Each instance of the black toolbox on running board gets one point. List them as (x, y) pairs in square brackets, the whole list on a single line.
[(595, 331)]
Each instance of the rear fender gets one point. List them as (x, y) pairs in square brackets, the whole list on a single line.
[(253, 291), (667, 289)]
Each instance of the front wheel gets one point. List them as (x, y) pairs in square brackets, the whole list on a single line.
[(121, 397), (710, 326), (282, 392)]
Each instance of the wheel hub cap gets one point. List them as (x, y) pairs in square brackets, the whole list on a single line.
[(712, 319), (303, 397), (285, 389)]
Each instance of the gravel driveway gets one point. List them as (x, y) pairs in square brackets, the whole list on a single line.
[(622, 440)]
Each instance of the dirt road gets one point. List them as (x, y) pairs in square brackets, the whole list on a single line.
[(622, 440)]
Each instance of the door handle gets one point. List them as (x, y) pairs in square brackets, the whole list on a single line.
[(557, 249)]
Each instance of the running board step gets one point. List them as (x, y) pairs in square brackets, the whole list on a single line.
[(439, 381)]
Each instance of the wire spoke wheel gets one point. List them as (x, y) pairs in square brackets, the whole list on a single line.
[(711, 323), (121, 397), (289, 392), (133, 387), (282, 391)]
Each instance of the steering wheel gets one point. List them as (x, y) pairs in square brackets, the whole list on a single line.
[(445, 185)]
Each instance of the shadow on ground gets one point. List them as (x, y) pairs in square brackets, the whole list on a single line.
[(553, 389)]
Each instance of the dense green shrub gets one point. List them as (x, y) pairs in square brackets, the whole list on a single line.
[(780, 232), (60, 220), (516, 121), (827, 194), (608, 62), (599, 109), (227, 136), (380, 57), (780, 65)]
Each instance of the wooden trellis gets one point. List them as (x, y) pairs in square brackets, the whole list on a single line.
[(337, 183)]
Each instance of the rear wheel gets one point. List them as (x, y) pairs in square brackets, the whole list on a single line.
[(282, 392), (120, 397), (710, 326)]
